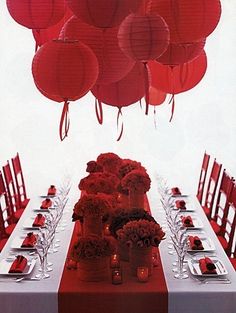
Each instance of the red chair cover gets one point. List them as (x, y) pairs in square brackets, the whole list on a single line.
[(202, 178)]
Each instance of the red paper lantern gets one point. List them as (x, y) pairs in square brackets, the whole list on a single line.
[(113, 63), (125, 92), (188, 20), (156, 97), (143, 37), (180, 53), (64, 71), (179, 78), (103, 13), (42, 36), (36, 14)]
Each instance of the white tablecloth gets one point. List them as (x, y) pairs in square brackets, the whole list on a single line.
[(184, 295)]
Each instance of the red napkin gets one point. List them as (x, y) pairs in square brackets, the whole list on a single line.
[(18, 265), (207, 266), (29, 241), (195, 243), (187, 221), (52, 190), (180, 204), (175, 191), (39, 220), (46, 204)]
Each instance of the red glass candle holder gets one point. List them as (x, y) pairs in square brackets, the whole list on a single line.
[(115, 261), (142, 274), (117, 277)]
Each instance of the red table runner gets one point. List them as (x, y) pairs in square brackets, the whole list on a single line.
[(102, 297)]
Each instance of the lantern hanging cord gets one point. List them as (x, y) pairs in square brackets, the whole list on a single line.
[(119, 115), (146, 85), (65, 121), (172, 101), (155, 117), (99, 110)]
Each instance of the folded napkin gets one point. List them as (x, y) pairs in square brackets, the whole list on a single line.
[(180, 204), (39, 220), (195, 243), (46, 204), (207, 266), (29, 241), (175, 191), (52, 190), (18, 265), (187, 221)]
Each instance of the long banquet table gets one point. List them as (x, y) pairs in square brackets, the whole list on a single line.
[(186, 295)]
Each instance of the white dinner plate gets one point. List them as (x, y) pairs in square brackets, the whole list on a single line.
[(189, 208), (43, 210), (196, 222), (17, 242), (5, 265), (28, 223), (180, 196), (46, 196), (207, 244), (195, 269)]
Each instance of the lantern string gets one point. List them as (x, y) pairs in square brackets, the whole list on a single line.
[(172, 101), (65, 121), (119, 115), (99, 110), (140, 104), (155, 117), (146, 85)]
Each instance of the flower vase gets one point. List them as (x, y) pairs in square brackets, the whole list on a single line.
[(78, 228), (92, 225), (140, 257), (93, 269), (123, 252), (136, 199)]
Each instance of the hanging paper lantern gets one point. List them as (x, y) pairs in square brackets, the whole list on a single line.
[(188, 20), (64, 71), (103, 13), (180, 53), (36, 14), (42, 36), (125, 92), (113, 63), (156, 97), (143, 37)]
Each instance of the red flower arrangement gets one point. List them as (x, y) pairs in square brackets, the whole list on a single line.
[(95, 205), (141, 234), (99, 183), (136, 180), (93, 167), (127, 166), (109, 161), (92, 247)]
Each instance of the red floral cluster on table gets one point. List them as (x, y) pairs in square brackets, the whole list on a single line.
[(101, 212)]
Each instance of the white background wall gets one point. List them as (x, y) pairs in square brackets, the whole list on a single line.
[(205, 117)]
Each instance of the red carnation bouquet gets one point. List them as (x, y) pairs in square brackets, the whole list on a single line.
[(93, 167), (99, 183), (109, 161), (141, 234), (91, 205), (92, 247), (127, 166), (136, 180)]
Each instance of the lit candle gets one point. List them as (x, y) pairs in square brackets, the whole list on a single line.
[(116, 277), (142, 274), (154, 260), (106, 230), (115, 261)]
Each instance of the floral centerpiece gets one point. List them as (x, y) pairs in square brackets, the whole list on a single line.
[(141, 236), (90, 209), (110, 162), (93, 167), (127, 166), (93, 254), (138, 183)]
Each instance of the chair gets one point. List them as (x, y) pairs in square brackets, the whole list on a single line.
[(11, 191), (202, 177), (222, 202), (227, 229), (20, 183), (211, 188), (7, 218), (233, 257)]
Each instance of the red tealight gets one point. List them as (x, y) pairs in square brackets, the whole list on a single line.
[(142, 274), (115, 261), (117, 277)]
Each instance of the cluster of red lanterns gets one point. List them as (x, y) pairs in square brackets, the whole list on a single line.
[(120, 50)]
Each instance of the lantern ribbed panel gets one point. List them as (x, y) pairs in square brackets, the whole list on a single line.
[(64, 69), (188, 20), (113, 63), (36, 14), (103, 13), (178, 53), (143, 37), (156, 97), (127, 91), (179, 78)]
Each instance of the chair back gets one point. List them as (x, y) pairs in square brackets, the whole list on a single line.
[(202, 178), (19, 179)]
